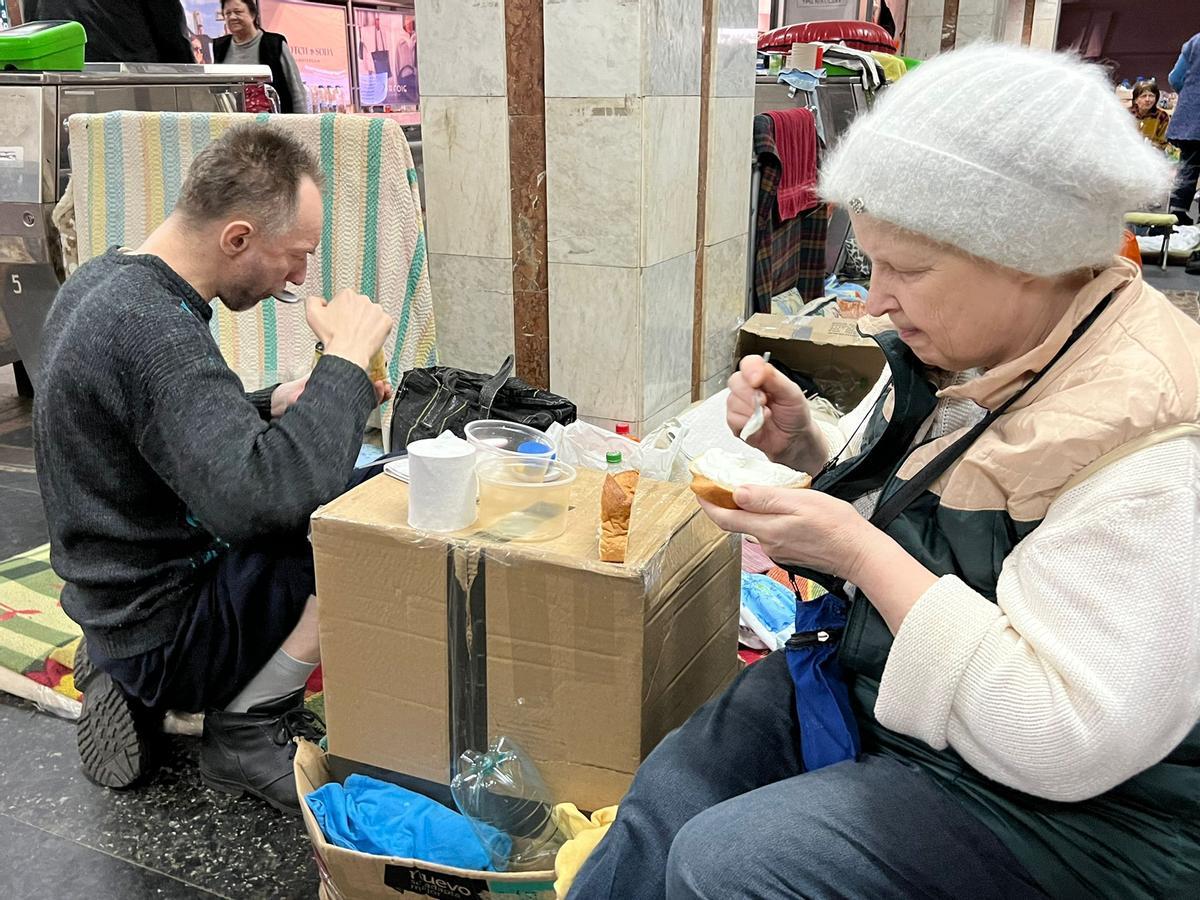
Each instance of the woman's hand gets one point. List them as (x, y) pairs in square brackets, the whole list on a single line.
[(811, 529), (800, 528), (788, 435)]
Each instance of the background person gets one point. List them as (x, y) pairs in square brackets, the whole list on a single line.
[(247, 44), (126, 31), (1184, 132), (1152, 121)]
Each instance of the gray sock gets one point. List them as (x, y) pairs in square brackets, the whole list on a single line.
[(282, 676)]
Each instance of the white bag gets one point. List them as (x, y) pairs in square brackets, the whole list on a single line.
[(656, 457)]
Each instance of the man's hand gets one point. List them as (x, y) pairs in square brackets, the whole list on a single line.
[(383, 392), (350, 326), (788, 435), (285, 395)]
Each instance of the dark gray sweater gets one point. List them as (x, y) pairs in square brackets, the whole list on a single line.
[(153, 461)]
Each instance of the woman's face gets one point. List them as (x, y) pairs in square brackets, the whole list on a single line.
[(239, 21), (954, 311), (1145, 102)]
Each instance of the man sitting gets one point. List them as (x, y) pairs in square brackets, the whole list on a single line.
[(178, 505)]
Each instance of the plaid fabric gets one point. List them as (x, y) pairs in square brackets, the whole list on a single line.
[(786, 254)]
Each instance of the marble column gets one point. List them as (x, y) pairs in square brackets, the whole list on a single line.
[(1044, 33), (724, 210), (465, 142), (936, 25), (622, 165), (578, 216)]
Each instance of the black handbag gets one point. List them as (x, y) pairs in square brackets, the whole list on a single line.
[(431, 401)]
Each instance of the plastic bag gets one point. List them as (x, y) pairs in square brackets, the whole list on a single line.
[(657, 456), (768, 611), (502, 792)]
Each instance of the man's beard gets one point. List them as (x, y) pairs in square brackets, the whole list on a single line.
[(240, 300)]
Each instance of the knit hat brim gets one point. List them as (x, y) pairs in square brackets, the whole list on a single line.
[(952, 152)]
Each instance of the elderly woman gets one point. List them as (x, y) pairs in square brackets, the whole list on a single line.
[(1017, 512)]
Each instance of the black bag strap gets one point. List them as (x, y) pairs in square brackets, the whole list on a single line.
[(487, 393), (890, 507)]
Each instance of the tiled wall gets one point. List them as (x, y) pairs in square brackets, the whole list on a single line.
[(928, 28), (464, 132), (622, 155), (623, 192)]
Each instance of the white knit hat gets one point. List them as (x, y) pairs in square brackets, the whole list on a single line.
[(1019, 156)]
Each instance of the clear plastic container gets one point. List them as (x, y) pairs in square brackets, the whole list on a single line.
[(508, 439), (502, 791), (524, 498)]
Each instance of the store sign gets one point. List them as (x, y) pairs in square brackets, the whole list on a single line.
[(316, 35), (798, 11)]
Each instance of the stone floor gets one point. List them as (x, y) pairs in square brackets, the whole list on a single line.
[(63, 837)]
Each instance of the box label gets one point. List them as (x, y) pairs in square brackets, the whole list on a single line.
[(434, 884)]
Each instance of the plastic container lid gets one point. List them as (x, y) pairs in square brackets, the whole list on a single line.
[(496, 437), (613, 457), (535, 448), (623, 428)]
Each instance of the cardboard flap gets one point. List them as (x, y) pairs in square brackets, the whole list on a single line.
[(815, 345)]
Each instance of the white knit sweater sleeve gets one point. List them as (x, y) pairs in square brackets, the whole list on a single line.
[(1087, 668)]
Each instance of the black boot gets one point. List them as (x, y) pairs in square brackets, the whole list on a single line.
[(111, 733), (252, 752)]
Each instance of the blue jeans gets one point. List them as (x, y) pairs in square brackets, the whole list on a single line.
[(723, 809)]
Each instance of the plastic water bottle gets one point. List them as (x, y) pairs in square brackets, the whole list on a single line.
[(613, 459), (503, 795)]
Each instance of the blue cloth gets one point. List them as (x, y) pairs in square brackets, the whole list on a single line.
[(367, 454), (383, 819), (1185, 123), (828, 731)]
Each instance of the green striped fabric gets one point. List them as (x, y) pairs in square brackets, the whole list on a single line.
[(31, 621)]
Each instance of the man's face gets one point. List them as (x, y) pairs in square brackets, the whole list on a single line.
[(268, 262)]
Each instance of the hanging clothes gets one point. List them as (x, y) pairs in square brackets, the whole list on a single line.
[(796, 147), (787, 253)]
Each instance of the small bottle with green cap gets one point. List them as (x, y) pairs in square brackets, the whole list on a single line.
[(615, 466)]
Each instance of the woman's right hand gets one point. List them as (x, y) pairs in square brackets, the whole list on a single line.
[(788, 434)]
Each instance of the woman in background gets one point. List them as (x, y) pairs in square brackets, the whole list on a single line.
[(247, 44), (1152, 121)]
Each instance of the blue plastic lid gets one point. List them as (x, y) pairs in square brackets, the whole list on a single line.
[(537, 448)]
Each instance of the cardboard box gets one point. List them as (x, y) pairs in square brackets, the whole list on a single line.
[(432, 644), (804, 57), (817, 347), (350, 875)]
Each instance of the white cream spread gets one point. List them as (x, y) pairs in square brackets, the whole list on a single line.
[(731, 471)]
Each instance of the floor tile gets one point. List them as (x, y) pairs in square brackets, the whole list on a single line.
[(233, 847), (38, 865)]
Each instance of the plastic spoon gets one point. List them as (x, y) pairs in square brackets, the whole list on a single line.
[(286, 296), (755, 423)]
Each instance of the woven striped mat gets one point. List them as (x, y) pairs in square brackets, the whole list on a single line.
[(38, 640), (34, 631)]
